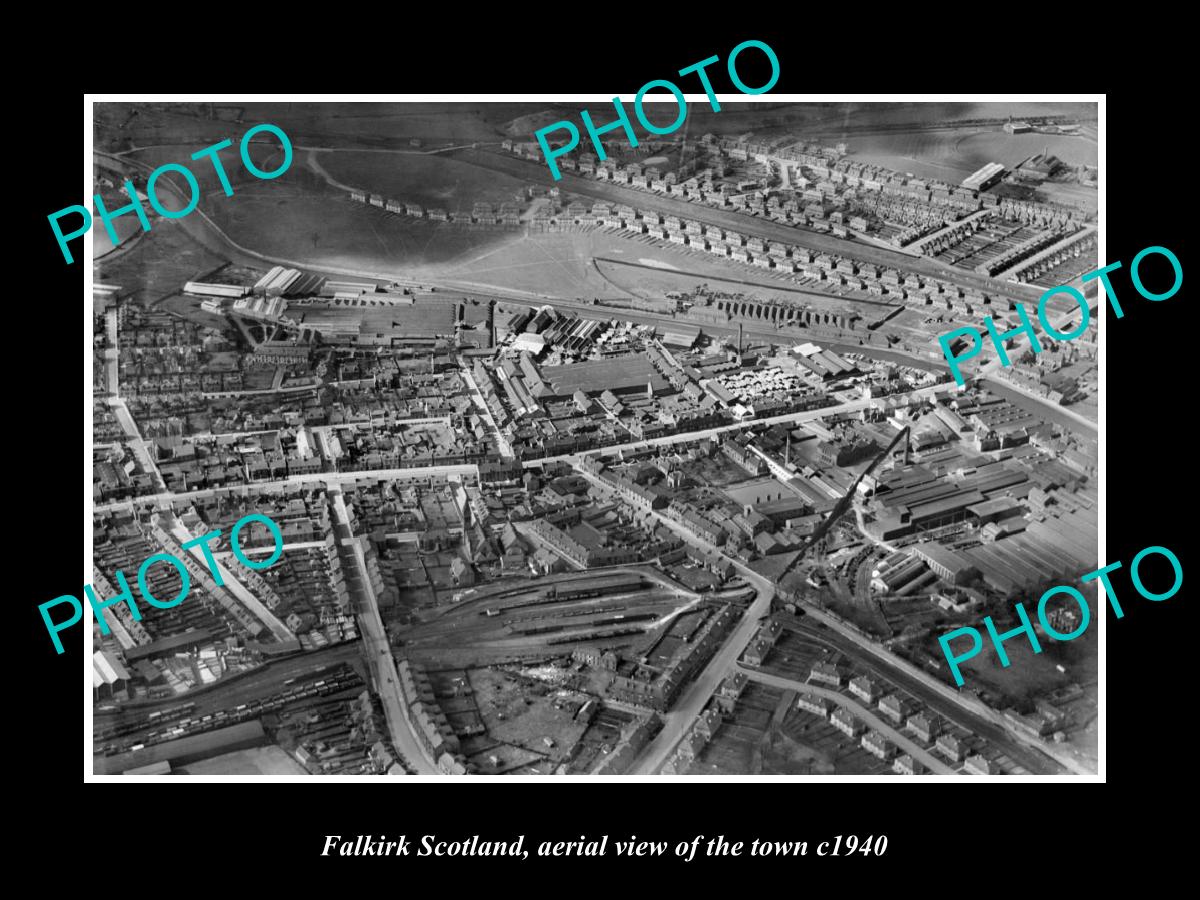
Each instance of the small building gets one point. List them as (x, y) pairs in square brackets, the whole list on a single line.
[(906, 765), (865, 689), (826, 673), (979, 765), (730, 690), (895, 707), (110, 679), (925, 726), (818, 706), (709, 723), (847, 723), (596, 657), (878, 745), (951, 747)]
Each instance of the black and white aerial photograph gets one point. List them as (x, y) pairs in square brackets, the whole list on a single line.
[(698, 459)]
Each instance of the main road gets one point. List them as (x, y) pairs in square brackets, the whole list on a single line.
[(696, 695), (327, 478), (376, 646), (806, 415)]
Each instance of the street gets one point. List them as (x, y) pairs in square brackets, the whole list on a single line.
[(916, 751), (375, 642)]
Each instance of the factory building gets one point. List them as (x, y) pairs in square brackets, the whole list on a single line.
[(277, 282), (109, 678), (984, 178), (215, 290)]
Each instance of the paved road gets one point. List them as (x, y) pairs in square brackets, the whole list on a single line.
[(697, 694), (134, 438), (375, 642), (963, 708), (329, 478), (916, 751), (112, 352), (530, 170), (1051, 412), (1064, 322), (505, 447), (807, 415)]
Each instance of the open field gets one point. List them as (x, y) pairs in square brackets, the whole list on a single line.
[(558, 264), (535, 717), (157, 266), (1028, 674), (431, 181), (367, 125), (328, 231)]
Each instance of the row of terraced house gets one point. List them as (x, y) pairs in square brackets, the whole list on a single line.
[(428, 721)]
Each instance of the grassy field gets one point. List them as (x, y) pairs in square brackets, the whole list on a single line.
[(158, 264), (1031, 675), (328, 231), (516, 714), (432, 181), (304, 216), (316, 124), (557, 264)]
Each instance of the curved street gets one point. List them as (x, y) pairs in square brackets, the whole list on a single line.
[(906, 744), (1036, 756)]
